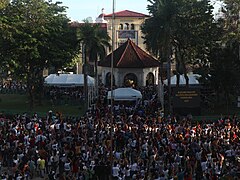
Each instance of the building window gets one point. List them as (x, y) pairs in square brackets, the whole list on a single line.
[(126, 26), (120, 27), (132, 27)]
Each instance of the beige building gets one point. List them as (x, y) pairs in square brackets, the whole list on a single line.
[(127, 25)]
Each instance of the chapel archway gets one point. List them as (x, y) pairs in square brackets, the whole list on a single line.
[(108, 79), (130, 80), (150, 79)]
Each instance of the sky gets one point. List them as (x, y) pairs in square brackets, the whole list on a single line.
[(82, 9)]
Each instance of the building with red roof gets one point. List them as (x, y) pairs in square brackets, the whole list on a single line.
[(127, 14), (127, 25), (132, 66)]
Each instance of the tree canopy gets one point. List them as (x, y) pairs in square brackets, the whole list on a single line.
[(183, 29), (35, 34), (224, 69), (94, 42)]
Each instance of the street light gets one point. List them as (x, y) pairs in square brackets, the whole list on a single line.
[(85, 74), (112, 57)]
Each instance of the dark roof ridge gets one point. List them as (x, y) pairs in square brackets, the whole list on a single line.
[(119, 12), (121, 58), (129, 55), (134, 48)]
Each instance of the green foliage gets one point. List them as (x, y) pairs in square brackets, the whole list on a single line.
[(35, 34), (4, 3), (94, 42), (15, 103), (157, 29), (185, 28), (224, 71), (231, 11), (225, 58)]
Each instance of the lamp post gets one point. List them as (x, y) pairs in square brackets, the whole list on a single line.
[(169, 84), (85, 74), (112, 58), (238, 32)]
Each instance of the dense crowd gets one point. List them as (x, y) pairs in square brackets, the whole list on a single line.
[(12, 87), (61, 95), (146, 145)]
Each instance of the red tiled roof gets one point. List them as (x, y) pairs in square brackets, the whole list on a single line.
[(126, 13), (78, 24), (129, 55)]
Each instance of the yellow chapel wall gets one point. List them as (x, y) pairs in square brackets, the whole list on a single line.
[(137, 30)]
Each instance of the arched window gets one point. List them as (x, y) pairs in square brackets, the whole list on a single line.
[(120, 27), (130, 80), (150, 79), (132, 27), (108, 79), (126, 26)]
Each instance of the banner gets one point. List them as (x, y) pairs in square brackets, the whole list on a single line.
[(185, 97), (126, 34)]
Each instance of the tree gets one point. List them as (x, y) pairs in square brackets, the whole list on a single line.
[(224, 68), (4, 3), (231, 20), (231, 12), (183, 30), (94, 41), (35, 34), (224, 71), (187, 26), (194, 36), (158, 33)]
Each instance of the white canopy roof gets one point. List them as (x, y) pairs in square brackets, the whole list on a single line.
[(125, 94), (67, 80), (192, 79)]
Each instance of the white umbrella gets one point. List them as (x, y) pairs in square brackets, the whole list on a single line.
[(125, 94)]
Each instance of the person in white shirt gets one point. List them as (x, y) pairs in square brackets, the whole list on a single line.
[(55, 146), (19, 177), (204, 166), (127, 174), (115, 171), (57, 126), (118, 155), (134, 168), (67, 166)]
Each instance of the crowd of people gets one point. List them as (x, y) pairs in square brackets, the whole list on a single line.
[(64, 95), (11, 87), (144, 145)]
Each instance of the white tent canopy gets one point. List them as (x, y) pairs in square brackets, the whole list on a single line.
[(125, 94), (67, 80), (192, 79)]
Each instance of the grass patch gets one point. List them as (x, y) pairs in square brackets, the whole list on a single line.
[(222, 110), (213, 114), (15, 103)]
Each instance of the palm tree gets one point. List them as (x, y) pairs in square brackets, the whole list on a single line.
[(158, 34), (183, 28), (94, 41)]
